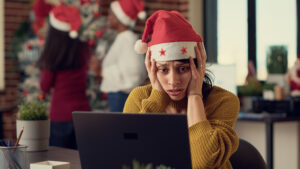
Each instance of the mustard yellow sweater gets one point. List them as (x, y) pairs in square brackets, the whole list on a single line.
[(212, 141)]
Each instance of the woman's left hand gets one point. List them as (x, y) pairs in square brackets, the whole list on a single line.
[(195, 86)]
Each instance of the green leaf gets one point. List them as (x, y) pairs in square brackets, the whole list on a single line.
[(33, 110)]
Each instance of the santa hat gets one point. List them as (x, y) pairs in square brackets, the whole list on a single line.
[(128, 11), (66, 18), (173, 37), (41, 10)]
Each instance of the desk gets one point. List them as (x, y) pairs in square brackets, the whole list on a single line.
[(269, 120), (56, 154)]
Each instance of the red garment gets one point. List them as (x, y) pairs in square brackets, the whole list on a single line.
[(294, 85), (69, 92), (41, 11)]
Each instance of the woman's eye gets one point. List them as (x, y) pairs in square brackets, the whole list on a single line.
[(162, 70), (183, 69)]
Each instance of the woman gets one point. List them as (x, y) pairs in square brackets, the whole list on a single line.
[(64, 64), (175, 62), (122, 70)]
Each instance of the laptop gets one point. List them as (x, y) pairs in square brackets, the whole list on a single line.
[(122, 141)]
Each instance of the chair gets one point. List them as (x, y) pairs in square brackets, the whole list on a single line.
[(247, 157)]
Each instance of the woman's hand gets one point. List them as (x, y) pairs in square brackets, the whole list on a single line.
[(195, 109), (152, 70), (195, 86)]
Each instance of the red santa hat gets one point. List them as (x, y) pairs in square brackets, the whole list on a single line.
[(172, 37), (128, 11), (41, 10), (66, 18)]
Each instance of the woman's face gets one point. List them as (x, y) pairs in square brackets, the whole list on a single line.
[(112, 20), (174, 77)]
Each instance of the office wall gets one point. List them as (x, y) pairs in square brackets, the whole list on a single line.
[(195, 15), (15, 12), (1, 45), (181, 6)]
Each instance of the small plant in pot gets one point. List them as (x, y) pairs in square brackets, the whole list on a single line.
[(277, 66), (33, 116)]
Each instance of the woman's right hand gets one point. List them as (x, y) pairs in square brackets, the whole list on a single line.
[(152, 71)]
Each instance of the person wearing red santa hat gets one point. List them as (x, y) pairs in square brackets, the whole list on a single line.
[(176, 65), (293, 77), (64, 65), (121, 68)]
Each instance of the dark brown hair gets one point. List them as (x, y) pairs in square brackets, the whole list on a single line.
[(60, 52)]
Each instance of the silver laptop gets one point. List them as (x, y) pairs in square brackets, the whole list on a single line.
[(125, 141)]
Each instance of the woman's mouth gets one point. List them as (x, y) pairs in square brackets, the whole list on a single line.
[(175, 92)]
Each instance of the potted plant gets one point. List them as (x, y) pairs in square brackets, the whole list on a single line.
[(268, 91), (33, 116), (277, 59), (277, 66), (246, 93)]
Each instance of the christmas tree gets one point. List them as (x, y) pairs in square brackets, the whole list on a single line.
[(29, 39)]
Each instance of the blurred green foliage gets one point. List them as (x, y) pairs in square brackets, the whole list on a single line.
[(33, 110), (137, 165), (277, 60), (253, 88)]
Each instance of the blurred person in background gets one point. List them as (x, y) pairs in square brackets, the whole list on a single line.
[(64, 64), (122, 68)]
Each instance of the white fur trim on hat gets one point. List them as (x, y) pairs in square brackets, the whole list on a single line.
[(140, 47), (123, 18), (173, 51), (73, 34), (62, 26), (142, 15)]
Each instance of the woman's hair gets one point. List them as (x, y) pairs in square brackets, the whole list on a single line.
[(60, 52), (207, 82)]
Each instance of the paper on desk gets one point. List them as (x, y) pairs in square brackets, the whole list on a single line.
[(50, 165)]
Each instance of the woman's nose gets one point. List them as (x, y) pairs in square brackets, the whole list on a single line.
[(174, 79)]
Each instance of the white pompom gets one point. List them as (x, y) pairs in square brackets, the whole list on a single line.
[(140, 47), (73, 34), (142, 15)]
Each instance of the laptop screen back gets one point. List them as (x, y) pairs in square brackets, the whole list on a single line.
[(120, 141)]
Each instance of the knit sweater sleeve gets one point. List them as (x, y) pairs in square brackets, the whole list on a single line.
[(46, 80), (213, 141), (145, 99)]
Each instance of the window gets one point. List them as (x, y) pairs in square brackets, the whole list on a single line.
[(232, 36), (276, 25)]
